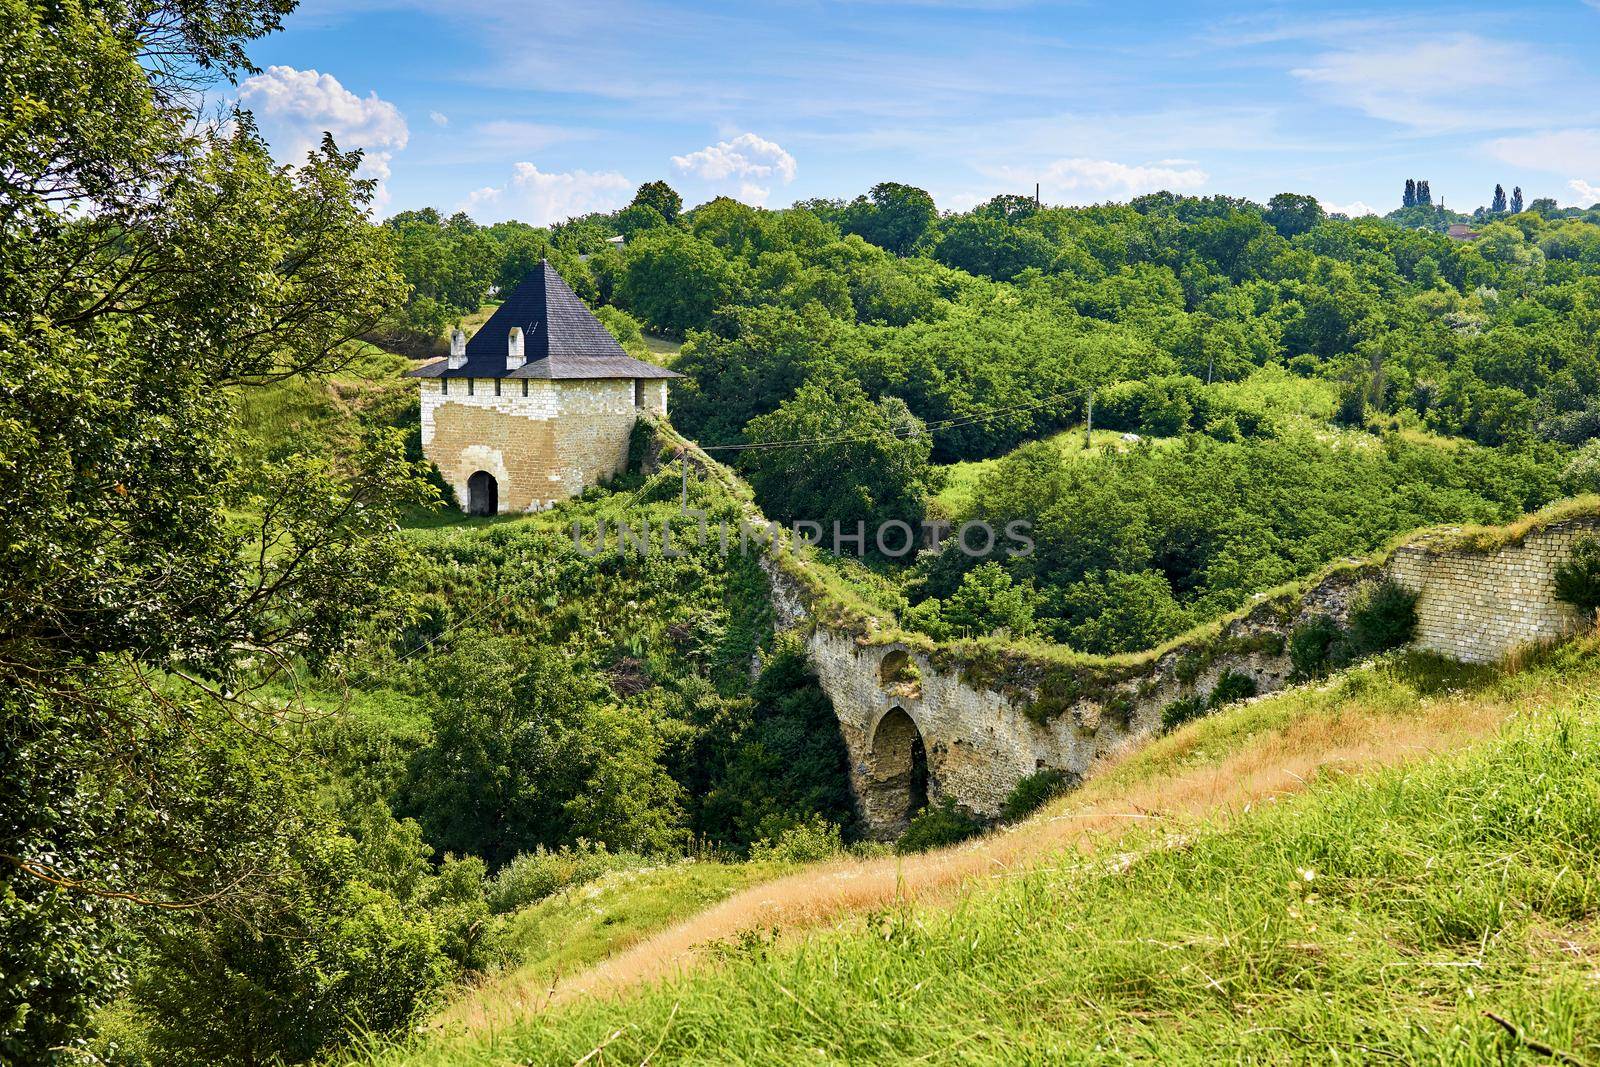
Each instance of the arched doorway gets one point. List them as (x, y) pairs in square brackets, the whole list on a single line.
[(483, 494), (897, 786)]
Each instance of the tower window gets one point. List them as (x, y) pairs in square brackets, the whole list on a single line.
[(444, 386), (524, 387), (497, 387), (470, 382)]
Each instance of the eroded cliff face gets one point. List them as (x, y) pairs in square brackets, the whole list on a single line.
[(927, 721)]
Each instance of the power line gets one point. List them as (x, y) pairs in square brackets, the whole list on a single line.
[(931, 427)]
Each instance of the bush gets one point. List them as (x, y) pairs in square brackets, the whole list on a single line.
[(1312, 644), (1383, 615), (532, 876), (1231, 688), (1032, 792), (1181, 711), (805, 842), (941, 824), (1578, 579)]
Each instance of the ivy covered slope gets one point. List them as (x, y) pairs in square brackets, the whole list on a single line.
[(1440, 911)]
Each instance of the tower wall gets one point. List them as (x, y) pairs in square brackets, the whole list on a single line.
[(561, 438)]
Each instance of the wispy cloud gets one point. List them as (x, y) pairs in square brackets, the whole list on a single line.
[(541, 197), (1440, 85), (1574, 151)]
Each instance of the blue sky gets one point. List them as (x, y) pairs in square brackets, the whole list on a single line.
[(536, 110)]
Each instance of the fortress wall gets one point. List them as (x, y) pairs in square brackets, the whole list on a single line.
[(984, 728), (1478, 607)]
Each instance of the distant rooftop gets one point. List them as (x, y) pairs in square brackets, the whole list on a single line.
[(561, 338)]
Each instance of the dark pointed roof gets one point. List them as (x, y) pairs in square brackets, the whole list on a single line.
[(560, 336)]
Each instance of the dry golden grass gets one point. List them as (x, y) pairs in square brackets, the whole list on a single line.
[(1211, 769)]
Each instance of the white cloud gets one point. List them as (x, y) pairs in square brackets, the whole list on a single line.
[(1588, 195), (439, 118), (746, 166), (295, 107), (541, 198), (1557, 151), (1447, 83), (1077, 181), (1355, 209)]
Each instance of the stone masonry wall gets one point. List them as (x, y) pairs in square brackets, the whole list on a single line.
[(1478, 607), (980, 738), (561, 438)]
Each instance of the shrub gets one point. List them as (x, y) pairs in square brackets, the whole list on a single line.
[(805, 842), (532, 876), (1578, 579), (944, 823), (1181, 711), (1231, 688), (1312, 644), (1383, 615), (1030, 794)]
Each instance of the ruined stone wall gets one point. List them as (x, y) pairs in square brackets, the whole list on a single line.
[(985, 728), (1479, 606), (549, 445)]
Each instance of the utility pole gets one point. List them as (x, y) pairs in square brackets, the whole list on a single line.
[(684, 456), (1036, 196), (1088, 425)]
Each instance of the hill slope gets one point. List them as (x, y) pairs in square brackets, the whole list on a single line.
[(1184, 903)]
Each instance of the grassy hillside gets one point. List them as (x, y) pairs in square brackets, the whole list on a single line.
[(1371, 916)]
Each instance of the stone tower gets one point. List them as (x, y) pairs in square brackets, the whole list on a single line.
[(538, 406)]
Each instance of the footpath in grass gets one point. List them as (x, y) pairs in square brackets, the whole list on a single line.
[(1441, 911), (577, 928)]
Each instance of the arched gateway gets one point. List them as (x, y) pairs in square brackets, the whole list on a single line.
[(897, 772), (483, 494)]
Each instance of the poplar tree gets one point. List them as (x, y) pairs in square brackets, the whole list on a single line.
[(1498, 206), (1516, 200), (1410, 198), (1424, 195)]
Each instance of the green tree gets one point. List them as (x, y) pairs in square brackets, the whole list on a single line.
[(1292, 214), (1498, 204), (832, 455), (133, 540), (637, 218), (507, 751), (1410, 197), (992, 247), (660, 196), (1516, 200), (895, 217), (989, 600), (673, 280), (788, 764)]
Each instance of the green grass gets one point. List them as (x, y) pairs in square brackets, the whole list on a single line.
[(323, 414), (572, 930), (961, 479), (664, 349), (1371, 918)]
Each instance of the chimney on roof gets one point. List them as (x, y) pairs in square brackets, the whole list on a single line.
[(458, 349), (514, 350)]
